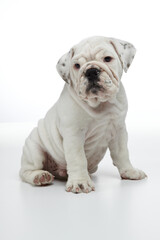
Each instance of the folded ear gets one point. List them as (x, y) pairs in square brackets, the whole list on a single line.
[(63, 66), (125, 50)]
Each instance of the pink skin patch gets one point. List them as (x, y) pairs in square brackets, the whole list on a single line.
[(62, 172), (36, 180), (43, 179), (69, 189), (87, 191), (50, 165)]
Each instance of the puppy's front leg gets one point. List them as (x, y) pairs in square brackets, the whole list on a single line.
[(78, 177), (120, 156)]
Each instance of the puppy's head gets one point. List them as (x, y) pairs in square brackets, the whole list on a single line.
[(94, 68)]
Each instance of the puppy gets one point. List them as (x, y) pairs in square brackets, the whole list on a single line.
[(88, 118)]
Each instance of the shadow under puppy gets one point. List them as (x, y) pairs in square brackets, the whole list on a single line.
[(88, 118)]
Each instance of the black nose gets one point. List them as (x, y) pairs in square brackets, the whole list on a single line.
[(92, 74)]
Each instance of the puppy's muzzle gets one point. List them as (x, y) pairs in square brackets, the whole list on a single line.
[(92, 74)]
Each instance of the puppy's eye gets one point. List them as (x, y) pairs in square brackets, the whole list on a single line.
[(107, 59), (77, 66)]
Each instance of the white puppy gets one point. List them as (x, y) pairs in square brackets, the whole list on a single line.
[(88, 118)]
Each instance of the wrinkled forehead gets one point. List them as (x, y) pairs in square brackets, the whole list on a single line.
[(91, 49)]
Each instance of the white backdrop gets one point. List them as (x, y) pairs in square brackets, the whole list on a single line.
[(34, 34)]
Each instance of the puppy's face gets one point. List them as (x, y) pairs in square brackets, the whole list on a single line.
[(94, 68)]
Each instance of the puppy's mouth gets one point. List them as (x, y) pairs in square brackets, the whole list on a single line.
[(94, 88), (97, 81)]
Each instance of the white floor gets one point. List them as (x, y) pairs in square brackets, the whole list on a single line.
[(118, 209)]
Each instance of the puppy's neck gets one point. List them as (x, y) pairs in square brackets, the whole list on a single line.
[(99, 111)]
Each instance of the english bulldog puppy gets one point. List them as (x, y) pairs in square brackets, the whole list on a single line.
[(88, 118)]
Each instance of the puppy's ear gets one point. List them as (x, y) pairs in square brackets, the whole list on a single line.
[(63, 66), (125, 50)]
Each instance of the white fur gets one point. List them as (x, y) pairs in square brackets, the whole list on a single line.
[(79, 128)]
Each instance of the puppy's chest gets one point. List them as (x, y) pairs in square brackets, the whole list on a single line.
[(99, 135)]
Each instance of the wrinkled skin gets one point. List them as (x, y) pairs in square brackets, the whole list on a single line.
[(108, 78), (90, 53), (88, 118)]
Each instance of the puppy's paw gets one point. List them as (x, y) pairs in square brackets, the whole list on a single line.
[(43, 178), (80, 185), (133, 174)]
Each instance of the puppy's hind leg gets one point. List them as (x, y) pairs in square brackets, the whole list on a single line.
[(32, 162)]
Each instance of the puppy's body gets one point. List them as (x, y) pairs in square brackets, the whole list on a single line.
[(74, 135)]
